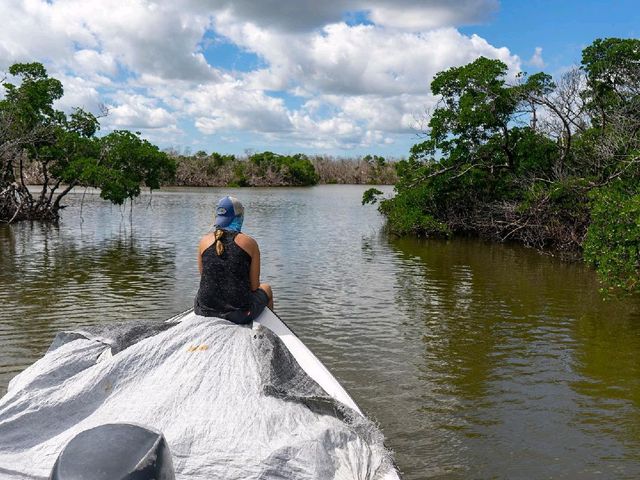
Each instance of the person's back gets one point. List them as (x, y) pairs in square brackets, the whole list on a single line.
[(224, 283), (229, 263)]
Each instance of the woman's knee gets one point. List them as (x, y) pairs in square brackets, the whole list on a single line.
[(267, 288)]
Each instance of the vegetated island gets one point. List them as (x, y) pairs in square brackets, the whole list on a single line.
[(268, 169), (553, 164), (42, 146)]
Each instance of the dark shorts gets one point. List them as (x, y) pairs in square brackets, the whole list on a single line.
[(259, 300)]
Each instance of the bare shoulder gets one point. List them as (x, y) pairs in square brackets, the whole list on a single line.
[(247, 243), (206, 241)]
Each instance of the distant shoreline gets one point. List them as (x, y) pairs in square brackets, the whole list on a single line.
[(229, 171), (271, 170), (37, 187)]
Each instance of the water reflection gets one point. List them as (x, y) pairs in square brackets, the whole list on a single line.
[(65, 282), (478, 360), (513, 342), (608, 361)]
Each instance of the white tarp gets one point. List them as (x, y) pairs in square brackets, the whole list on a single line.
[(230, 400)]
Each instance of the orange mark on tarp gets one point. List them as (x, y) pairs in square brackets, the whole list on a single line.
[(198, 348)]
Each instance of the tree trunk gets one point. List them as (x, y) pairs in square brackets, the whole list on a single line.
[(56, 205)]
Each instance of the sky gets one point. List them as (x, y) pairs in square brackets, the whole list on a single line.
[(335, 77)]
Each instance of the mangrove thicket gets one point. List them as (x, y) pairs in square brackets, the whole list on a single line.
[(265, 169), (551, 163), (65, 150)]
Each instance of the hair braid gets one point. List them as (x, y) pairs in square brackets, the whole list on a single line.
[(219, 246)]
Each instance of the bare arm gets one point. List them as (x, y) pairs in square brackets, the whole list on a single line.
[(202, 246), (250, 246), (254, 271)]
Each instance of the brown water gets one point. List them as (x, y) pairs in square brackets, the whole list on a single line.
[(478, 360)]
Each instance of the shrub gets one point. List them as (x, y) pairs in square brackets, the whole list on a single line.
[(293, 170), (406, 214), (239, 176), (612, 245)]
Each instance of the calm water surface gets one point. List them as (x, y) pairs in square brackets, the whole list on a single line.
[(478, 360)]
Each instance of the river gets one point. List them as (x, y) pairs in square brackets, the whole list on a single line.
[(478, 360)]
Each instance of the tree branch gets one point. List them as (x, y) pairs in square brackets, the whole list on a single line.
[(53, 189), (56, 204)]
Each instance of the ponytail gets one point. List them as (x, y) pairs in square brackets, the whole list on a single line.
[(218, 236)]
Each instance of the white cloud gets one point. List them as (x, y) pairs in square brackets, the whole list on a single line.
[(419, 16), (136, 112), (358, 85), (91, 61), (145, 37), (308, 15), (230, 106), (536, 60), (29, 31), (395, 114), (78, 92), (373, 79), (359, 60)]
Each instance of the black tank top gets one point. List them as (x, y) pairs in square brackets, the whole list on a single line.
[(224, 284)]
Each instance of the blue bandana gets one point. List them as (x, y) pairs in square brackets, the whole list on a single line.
[(236, 224)]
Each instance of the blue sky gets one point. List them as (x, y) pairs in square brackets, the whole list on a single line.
[(338, 77), (562, 28)]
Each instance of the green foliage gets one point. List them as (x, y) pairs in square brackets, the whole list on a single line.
[(612, 66), (220, 160), (371, 196), (375, 161), (537, 85), (300, 170), (295, 169), (472, 118), (534, 153), (215, 161), (239, 176), (67, 150), (127, 162), (378, 165), (31, 103), (406, 214), (265, 160), (259, 169), (564, 197), (475, 102), (486, 167), (612, 245)]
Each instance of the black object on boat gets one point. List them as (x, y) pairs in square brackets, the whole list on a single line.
[(115, 451)]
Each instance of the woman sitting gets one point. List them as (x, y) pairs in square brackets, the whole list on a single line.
[(229, 264)]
